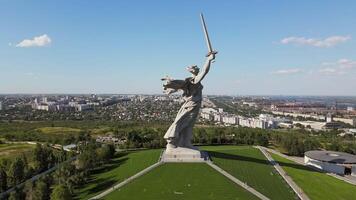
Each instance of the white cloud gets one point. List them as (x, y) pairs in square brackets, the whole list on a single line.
[(31, 75), (341, 66), (316, 42), (39, 41), (288, 71), (328, 70)]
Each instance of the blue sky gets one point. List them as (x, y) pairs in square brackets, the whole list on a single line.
[(265, 47)]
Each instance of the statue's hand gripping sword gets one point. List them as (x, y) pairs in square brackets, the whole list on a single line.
[(210, 48)]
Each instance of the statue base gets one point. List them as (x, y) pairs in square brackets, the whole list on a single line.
[(183, 154)]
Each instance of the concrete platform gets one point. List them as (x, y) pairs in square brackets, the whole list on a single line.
[(181, 154)]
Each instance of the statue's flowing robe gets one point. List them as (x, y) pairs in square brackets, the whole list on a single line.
[(182, 127)]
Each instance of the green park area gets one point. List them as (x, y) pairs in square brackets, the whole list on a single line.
[(9, 150), (58, 130), (188, 181), (317, 185), (249, 165), (125, 164)]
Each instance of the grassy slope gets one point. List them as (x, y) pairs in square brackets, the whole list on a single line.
[(317, 185), (10, 150), (124, 166), (188, 181), (249, 165)]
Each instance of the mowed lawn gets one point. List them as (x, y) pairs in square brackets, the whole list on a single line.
[(10, 150), (249, 165), (125, 165), (181, 181), (317, 185)]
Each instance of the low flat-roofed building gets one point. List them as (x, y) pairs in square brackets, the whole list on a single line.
[(332, 161)]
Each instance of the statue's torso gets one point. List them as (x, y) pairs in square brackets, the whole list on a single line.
[(193, 92)]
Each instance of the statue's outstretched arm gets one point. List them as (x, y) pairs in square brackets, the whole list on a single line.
[(205, 69)]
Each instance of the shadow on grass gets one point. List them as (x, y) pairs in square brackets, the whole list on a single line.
[(101, 183), (109, 166), (215, 154)]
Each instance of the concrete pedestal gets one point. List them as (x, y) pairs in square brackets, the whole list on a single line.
[(182, 154)]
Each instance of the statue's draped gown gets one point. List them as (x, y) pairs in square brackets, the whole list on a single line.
[(183, 124), (181, 129)]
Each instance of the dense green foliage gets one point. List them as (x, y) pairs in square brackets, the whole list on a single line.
[(61, 192), (70, 175), (249, 165), (17, 169), (181, 181), (296, 142), (317, 185)]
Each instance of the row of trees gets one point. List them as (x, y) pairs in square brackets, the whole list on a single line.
[(153, 137), (293, 142)]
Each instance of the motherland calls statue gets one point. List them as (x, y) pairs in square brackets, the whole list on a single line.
[(179, 134)]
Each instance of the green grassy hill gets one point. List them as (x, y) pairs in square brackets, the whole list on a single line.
[(199, 181), (249, 165), (317, 185), (125, 165), (11, 150), (188, 181)]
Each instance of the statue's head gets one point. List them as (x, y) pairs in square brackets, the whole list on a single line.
[(193, 69)]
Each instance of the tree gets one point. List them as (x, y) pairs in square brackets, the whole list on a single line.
[(41, 191), (28, 190), (311, 144), (85, 161), (105, 153), (16, 171), (43, 157), (3, 179), (61, 192), (66, 175), (261, 139), (16, 195)]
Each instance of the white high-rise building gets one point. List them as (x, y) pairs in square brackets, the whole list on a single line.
[(329, 118), (0, 105)]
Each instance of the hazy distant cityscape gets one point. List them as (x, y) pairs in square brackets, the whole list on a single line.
[(266, 112)]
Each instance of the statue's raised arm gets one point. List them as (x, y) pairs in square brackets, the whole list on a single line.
[(205, 68)]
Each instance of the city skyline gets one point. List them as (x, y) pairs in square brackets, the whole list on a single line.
[(265, 48)]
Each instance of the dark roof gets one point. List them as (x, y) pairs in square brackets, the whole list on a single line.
[(332, 157)]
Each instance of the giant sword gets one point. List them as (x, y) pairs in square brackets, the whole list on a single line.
[(208, 43)]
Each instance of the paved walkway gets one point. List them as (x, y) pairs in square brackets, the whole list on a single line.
[(237, 181), (287, 178), (298, 160), (126, 181)]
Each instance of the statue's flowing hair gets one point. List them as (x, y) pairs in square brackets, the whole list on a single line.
[(193, 69)]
